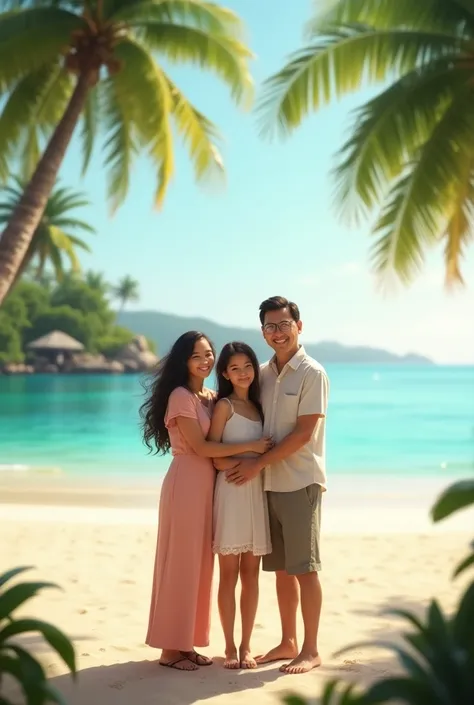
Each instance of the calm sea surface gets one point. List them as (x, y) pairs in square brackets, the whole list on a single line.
[(408, 421)]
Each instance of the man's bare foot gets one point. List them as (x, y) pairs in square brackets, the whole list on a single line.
[(283, 651), (231, 660), (246, 659), (303, 663)]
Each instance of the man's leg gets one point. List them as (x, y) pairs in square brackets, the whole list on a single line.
[(286, 588), (301, 533)]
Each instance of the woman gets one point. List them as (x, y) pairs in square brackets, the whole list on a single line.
[(177, 416)]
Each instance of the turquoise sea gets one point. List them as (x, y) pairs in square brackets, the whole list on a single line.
[(386, 420)]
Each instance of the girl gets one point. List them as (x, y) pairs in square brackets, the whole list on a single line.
[(241, 529), (177, 416)]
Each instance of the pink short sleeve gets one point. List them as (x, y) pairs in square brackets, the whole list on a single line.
[(181, 403)]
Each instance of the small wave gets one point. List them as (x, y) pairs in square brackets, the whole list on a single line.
[(16, 467)]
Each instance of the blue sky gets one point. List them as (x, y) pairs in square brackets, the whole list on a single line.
[(270, 228)]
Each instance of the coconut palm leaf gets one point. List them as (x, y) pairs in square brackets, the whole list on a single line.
[(453, 16), (90, 126), (224, 55), (389, 131), (340, 62), (199, 134), (32, 38), (408, 154)]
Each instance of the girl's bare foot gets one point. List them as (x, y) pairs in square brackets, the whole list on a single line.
[(231, 661), (246, 659)]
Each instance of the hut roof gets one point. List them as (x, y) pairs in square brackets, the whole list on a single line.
[(56, 340)]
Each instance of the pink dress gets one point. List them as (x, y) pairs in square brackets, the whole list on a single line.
[(180, 608)]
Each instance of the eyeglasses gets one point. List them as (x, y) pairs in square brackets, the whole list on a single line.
[(283, 327)]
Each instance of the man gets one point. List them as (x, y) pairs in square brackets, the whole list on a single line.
[(294, 397)]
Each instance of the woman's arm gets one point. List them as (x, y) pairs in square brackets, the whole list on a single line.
[(193, 435)]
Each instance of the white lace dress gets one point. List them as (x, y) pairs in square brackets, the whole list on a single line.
[(241, 512)]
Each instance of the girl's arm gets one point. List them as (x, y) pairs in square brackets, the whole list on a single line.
[(193, 435), (222, 412)]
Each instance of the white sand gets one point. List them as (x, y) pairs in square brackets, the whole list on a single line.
[(376, 556)]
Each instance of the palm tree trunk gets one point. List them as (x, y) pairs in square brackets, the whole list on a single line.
[(17, 236)]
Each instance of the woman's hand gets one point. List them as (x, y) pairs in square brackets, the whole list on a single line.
[(262, 445)]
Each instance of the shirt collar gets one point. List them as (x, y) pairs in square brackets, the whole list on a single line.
[(294, 362)]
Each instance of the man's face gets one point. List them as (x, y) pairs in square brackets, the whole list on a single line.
[(281, 331)]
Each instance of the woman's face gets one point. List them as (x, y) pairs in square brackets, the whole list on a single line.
[(201, 362), (240, 372)]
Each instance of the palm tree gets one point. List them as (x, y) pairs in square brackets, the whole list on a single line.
[(126, 290), (411, 151), (96, 280), (54, 238), (63, 59)]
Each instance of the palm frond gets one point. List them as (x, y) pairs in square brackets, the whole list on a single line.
[(199, 134), (77, 242), (64, 199), (459, 229), (429, 15), (206, 16), (90, 123), (142, 92), (419, 208), (32, 38), (18, 111), (224, 55), (342, 62), (121, 146), (388, 132), (74, 224)]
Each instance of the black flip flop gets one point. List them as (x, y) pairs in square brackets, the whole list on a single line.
[(173, 664), (193, 656)]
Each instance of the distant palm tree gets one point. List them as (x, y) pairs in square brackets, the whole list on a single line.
[(127, 290), (96, 280), (411, 151), (63, 59), (55, 238)]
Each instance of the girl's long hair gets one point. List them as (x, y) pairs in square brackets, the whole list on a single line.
[(172, 372), (224, 386)]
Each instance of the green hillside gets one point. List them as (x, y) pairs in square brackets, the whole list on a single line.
[(164, 328)]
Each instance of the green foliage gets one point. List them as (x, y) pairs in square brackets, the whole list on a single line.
[(10, 341), (15, 660), (109, 345), (410, 156), (436, 656), (134, 102), (78, 307)]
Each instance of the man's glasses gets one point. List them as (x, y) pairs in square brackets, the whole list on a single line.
[(283, 327)]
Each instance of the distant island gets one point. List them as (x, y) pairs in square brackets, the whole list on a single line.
[(164, 328)]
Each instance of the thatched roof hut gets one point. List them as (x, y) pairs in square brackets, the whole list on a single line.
[(56, 342)]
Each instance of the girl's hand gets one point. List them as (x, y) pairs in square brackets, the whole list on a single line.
[(262, 445)]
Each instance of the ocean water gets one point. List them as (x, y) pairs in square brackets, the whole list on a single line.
[(382, 420)]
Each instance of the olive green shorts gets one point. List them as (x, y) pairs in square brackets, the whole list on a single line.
[(295, 524)]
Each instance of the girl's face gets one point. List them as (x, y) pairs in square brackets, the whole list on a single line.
[(201, 362), (240, 372)]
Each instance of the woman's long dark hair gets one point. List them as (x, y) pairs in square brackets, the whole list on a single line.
[(172, 372), (224, 386)]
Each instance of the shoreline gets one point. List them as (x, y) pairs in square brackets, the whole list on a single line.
[(361, 505)]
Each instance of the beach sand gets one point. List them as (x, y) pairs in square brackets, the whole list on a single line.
[(376, 556)]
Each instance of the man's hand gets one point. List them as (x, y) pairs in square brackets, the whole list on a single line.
[(244, 472)]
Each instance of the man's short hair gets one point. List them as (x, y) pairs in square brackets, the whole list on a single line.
[(276, 303)]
